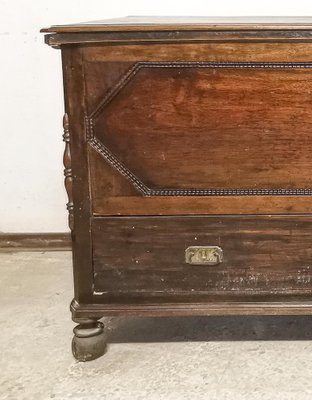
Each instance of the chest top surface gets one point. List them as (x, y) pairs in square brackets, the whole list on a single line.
[(148, 29), (163, 23)]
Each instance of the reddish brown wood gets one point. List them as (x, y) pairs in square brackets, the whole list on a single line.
[(272, 170), (184, 130), (242, 51), (163, 110), (165, 205)]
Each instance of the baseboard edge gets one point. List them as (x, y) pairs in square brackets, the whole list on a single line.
[(12, 242)]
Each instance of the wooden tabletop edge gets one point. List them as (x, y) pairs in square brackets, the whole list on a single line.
[(170, 27)]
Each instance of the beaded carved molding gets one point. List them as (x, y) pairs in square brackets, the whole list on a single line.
[(135, 180)]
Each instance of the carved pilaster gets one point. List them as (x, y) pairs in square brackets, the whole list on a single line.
[(68, 172)]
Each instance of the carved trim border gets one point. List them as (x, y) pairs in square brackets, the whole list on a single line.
[(113, 160), (137, 183)]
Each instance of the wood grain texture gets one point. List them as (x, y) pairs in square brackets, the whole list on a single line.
[(263, 256), (112, 183), (243, 51), (101, 78), (164, 205), (180, 127), (74, 89), (105, 204), (169, 309), (165, 110)]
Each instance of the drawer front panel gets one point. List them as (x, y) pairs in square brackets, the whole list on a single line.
[(142, 257)]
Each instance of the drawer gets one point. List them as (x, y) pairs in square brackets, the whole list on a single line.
[(139, 258)]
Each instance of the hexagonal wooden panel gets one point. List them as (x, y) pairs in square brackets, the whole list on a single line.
[(209, 128)]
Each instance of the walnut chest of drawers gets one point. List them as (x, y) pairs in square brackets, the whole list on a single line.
[(188, 168)]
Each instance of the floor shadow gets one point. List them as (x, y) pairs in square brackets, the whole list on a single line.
[(178, 329)]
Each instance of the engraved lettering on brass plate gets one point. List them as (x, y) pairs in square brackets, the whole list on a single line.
[(203, 255)]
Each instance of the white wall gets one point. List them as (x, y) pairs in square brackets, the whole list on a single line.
[(32, 197)]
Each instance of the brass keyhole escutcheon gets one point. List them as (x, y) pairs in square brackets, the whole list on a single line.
[(203, 255)]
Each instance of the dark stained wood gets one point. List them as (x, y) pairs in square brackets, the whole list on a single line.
[(198, 36), (112, 183), (74, 90), (269, 256), (68, 181), (11, 242), (187, 132), (157, 309), (100, 78)]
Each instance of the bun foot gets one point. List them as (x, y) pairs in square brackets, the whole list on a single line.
[(88, 342)]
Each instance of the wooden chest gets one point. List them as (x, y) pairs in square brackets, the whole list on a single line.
[(188, 168)]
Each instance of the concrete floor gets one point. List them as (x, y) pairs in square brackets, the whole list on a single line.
[(149, 359)]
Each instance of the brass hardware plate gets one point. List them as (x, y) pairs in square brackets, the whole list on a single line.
[(203, 255)]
